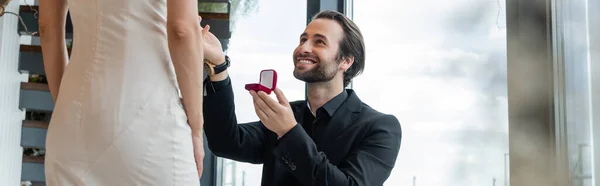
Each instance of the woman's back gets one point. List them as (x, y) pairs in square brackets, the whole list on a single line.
[(118, 118), (128, 36)]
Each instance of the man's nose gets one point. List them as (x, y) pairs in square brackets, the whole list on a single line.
[(306, 47)]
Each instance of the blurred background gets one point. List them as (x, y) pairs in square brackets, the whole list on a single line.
[(488, 92)]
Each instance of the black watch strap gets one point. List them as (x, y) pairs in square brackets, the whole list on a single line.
[(223, 66), (212, 69)]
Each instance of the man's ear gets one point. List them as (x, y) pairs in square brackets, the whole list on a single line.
[(346, 63)]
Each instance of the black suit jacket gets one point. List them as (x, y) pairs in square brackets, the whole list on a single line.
[(359, 147)]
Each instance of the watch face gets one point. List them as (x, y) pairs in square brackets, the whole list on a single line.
[(209, 68)]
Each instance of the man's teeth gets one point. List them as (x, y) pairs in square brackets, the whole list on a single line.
[(306, 61)]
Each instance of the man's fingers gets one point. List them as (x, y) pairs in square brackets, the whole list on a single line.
[(204, 32), (259, 112), (269, 101), (205, 29), (281, 98), (261, 105)]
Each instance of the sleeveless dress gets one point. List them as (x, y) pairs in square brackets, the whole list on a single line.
[(118, 119)]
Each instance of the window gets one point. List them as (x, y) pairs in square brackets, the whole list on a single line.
[(264, 36), (573, 48), (440, 67)]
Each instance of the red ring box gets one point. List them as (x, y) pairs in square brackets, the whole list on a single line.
[(267, 82)]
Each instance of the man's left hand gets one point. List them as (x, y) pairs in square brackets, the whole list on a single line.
[(213, 51), (277, 116)]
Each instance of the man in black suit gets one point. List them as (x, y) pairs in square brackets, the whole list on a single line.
[(332, 138)]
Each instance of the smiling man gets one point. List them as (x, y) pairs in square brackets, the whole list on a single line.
[(332, 138)]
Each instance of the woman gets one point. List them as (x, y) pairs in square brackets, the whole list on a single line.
[(118, 118)]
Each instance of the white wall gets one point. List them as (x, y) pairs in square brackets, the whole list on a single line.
[(10, 115)]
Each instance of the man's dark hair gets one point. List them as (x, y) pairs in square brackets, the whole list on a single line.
[(352, 44)]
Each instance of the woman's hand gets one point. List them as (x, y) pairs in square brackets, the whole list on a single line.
[(198, 143)]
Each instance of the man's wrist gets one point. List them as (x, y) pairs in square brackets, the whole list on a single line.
[(219, 60), (217, 69), (285, 130)]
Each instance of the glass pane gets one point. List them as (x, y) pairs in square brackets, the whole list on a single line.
[(440, 67), (576, 59), (264, 35)]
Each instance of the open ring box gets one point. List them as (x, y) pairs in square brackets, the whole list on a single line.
[(267, 82)]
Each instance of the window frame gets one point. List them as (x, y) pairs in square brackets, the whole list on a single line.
[(535, 99), (594, 60), (536, 45)]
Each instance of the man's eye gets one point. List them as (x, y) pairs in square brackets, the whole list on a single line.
[(302, 40), (320, 42)]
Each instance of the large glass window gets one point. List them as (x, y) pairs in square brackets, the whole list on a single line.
[(573, 49), (264, 36), (440, 67)]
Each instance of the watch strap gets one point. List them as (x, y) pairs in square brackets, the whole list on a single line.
[(213, 69), (223, 66)]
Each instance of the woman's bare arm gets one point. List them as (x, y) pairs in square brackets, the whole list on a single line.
[(185, 46), (52, 20)]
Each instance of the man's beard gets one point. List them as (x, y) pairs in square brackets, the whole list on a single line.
[(323, 72)]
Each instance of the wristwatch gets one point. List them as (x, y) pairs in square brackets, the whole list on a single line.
[(213, 69)]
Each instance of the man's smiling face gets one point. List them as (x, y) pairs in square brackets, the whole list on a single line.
[(316, 57)]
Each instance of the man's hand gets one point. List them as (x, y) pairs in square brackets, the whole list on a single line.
[(198, 143), (276, 116), (213, 50)]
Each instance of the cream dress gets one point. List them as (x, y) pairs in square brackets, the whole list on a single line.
[(118, 119)]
